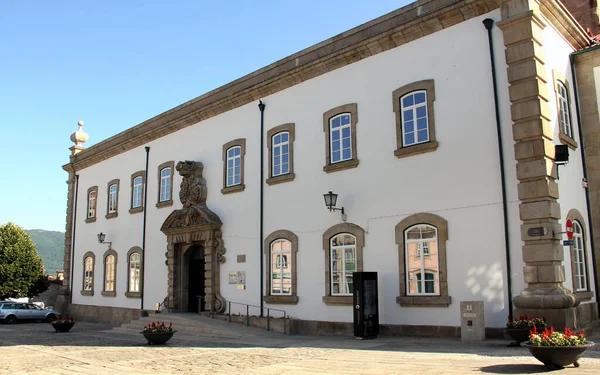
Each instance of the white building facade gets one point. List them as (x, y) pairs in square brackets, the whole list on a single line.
[(398, 118)]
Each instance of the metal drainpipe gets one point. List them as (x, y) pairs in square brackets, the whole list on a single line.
[(143, 260), (73, 240), (489, 23), (261, 107), (584, 166)]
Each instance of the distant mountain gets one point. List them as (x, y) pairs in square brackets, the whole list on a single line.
[(50, 246)]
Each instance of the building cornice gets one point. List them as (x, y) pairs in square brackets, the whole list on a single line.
[(559, 17), (399, 27)]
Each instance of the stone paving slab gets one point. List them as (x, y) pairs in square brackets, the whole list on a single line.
[(96, 349)]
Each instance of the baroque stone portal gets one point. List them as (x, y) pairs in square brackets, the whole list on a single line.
[(193, 225)]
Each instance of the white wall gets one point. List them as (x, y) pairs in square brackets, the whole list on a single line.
[(460, 182)]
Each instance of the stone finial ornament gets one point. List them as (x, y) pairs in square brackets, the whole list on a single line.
[(79, 138)]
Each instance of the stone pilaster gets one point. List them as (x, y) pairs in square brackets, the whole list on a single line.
[(543, 256)]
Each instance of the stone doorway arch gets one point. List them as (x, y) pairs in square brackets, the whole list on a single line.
[(194, 225)]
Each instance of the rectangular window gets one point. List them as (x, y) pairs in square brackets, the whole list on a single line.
[(281, 154), (415, 127), (564, 116), (165, 184), (136, 193), (234, 165), (341, 139)]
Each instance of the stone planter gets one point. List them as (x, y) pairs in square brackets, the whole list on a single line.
[(157, 338), (557, 357), (62, 327)]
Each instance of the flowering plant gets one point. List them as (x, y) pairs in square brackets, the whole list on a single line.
[(63, 320), (158, 327), (555, 338), (525, 322)]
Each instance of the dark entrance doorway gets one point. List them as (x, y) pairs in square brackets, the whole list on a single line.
[(195, 257)]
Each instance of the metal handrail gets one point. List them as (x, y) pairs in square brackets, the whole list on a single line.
[(164, 303), (269, 309)]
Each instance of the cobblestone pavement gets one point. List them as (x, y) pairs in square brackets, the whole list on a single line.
[(34, 348)]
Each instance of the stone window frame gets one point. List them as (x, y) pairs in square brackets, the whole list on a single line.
[(161, 167), (134, 210), (93, 218), (559, 79), (240, 142), (443, 299), (292, 299), (91, 255), (575, 215), (135, 249), (105, 292), (110, 215), (359, 234), (427, 85), (290, 128), (352, 109)]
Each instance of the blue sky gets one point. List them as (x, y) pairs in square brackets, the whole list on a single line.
[(114, 64)]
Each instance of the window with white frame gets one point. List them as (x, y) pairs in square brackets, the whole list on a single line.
[(340, 135), (281, 154), (165, 185), (88, 274), (422, 259), (343, 263), (92, 204), (234, 163), (580, 266), (112, 198), (134, 272), (415, 126), (564, 115), (281, 271), (136, 192), (109, 273)]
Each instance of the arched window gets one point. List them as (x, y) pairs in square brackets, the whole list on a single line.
[(422, 259), (112, 199), (234, 166), (89, 260), (135, 266), (109, 273), (421, 240), (137, 190), (579, 263), (165, 184), (281, 262), (92, 204), (280, 142)]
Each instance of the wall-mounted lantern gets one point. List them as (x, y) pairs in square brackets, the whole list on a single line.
[(101, 238), (330, 202)]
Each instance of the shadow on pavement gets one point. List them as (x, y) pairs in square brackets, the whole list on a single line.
[(514, 369)]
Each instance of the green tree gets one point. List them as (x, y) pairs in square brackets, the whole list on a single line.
[(21, 270)]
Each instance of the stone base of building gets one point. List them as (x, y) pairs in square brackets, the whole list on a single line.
[(587, 314), (62, 300), (103, 314)]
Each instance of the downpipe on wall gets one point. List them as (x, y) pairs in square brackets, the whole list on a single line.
[(74, 226), (261, 107), (588, 204), (143, 260), (489, 23)]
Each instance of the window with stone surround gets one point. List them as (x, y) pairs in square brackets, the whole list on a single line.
[(415, 125), (92, 202), (280, 142), (89, 260), (137, 192), (165, 184), (564, 120), (421, 240), (339, 125), (578, 252), (281, 248), (343, 245), (112, 201), (110, 273), (233, 166), (134, 272)]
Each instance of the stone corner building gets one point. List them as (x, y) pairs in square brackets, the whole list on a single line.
[(438, 125)]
